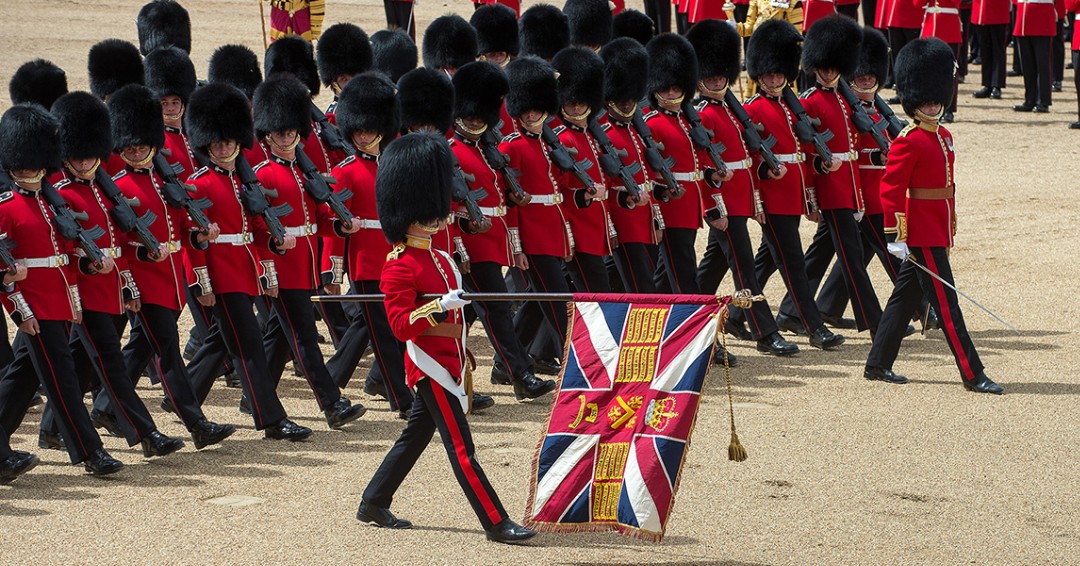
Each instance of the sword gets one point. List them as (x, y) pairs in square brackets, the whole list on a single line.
[(961, 293)]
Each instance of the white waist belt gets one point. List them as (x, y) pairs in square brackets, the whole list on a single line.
[(172, 245), (737, 165), (691, 177), (940, 10), (791, 157), (370, 224), (871, 166), (493, 211), (52, 261), (235, 239), (1034, 1), (111, 252), (546, 200), (847, 156), (305, 230)]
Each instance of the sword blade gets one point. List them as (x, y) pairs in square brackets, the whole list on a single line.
[(961, 293)]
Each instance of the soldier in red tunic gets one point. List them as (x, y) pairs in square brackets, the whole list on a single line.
[(903, 19), (230, 273), (170, 75), (497, 42), (1035, 28), (112, 64), (941, 19), (282, 119), (991, 21), (918, 195), (738, 198), (44, 299), (138, 132), (413, 189), (814, 10), (479, 90), (1073, 6)]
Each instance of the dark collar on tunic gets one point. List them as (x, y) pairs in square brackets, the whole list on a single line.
[(529, 134), (26, 192), (281, 160), (145, 171), (365, 155), (173, 130), (570, 126), (462, 139), (218, 169), (665, 111)]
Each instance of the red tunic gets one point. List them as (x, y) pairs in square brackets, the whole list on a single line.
[(881, 14), (919, 160), (513, 4), (1072, 6), (299, 267), (669, 128), (841, 188), (705, 10), (494, 245), (100, 292), (990, 12), (941, 19), (368, 247), (114, 165), (410, 272), (814, 10), (788, 194), (232, 267), (1035, 18), (870, 172), (634, 225), (539, 223), (176, 142), (589, 221), (27, 221), (160, 282), (903, 14), (738, 193)]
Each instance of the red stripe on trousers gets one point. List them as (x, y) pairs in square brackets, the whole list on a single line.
[(478, 486), (946, 318), (60, 397)]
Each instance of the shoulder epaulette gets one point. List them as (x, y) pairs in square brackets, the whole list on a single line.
[(346, 161), (452, 142), (62, 183), (907, 129), (117, 176), (650, 115), (6, 196), (396, 252), (752, 98), (559, 129), (701, 104), (261, 165), (606, 126), (807, 92), (513, 136), (202, 171)]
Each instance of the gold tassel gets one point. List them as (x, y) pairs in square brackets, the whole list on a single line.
[(736, 451)]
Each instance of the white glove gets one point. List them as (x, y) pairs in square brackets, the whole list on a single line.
[(858, 215), (453, 301), (898, 249)]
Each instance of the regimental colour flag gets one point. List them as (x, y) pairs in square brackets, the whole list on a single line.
[(621, 421)]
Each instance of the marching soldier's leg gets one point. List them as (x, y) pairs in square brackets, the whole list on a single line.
[(905, 297), (240, 331), (277, 347), (486, 277), (546, 275), (402, 456), (200, 316), (636, 263), (818, 257), (336, 320), (677, 254), (389, 352), (294, 306), (764, 267), (713, 265), (848, 242), (350, 347), (945, 303), (206, 364), (589, 273), (735, 244), (782, 234)]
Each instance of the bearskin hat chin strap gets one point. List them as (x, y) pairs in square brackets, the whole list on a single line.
[(88, 174), (36, 178), (284, 148), (460, 125), (871, 90), (673, 102), (773, 91), (576, 117), (828, 84), (614, 109), (928, 119), (543, 118), (715, 94), (140, 164), (230, 158)]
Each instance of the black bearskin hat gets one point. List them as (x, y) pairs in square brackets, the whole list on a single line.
[(112, 64), (85, 128), (672, 62), (169, 72), (282, 103), (590, 22), (717, 45), (449, 42), (873, 56), (218, 112), (38, 81), (236, 65), (344, 49), (393, 53), (633, 24), (293, 54), (925, 71), (427, 98), (479, 91), (775, 47), (136, 118), (369, 102), (496, 29), (533, 86), (413, 183), (832, 43), (544, 30), (162, 23), (29, 139), (624, 62), (581, 77)]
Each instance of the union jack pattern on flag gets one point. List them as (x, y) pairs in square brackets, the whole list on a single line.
[(621, 422)]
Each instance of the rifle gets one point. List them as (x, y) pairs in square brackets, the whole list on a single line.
[(68, 226), (752, 133), (611, 160), (703, 138), (469, 197), (329, 133), (563, 159), (318, 186), (896, 124), (256, 203), (656, 161), (806, 127), (7, 261), (863, 122), (498, 161), (176, 193), (126, 218)]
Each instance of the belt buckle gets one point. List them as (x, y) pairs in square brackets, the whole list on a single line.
[(500, 211), (556, 198), (173, 246), (246, 238)]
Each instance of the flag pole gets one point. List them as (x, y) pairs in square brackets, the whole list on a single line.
[(737, 299), (262, 20)]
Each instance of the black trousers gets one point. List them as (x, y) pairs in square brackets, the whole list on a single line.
[(713, 265), (400, 15), (912, 285), (992, 44), (869, 10), (389, 367), (201, 317), (290, 334), (1058, 62), (589, 273), (849, 10), (833, 297), (545, 275), (965, 36), (487, 277), (682, 21), (6, 353), (434, 409), (95, 346), (1035, 56), (898, 38), (660, 13), (1076, 78), (239, 329), (679, 260), (45, 358), (735, 245), (636, 263)]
